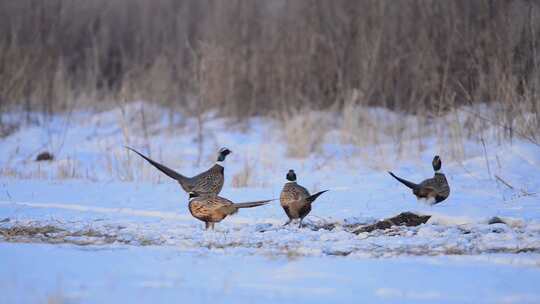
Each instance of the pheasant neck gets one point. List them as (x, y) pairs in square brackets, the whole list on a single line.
[(220, 163)]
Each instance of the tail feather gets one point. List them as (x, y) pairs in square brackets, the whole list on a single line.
[(251, 204), (405, 182), (169, 172), (233, 209), (312, 198)]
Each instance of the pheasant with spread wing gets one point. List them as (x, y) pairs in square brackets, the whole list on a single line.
[(209, 182)]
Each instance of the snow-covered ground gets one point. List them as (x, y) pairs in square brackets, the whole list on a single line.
[(107, 227), (158, 274)]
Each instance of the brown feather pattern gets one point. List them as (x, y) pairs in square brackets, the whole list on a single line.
[(436, 188), (209, 182), (294, 201), (213, 209)]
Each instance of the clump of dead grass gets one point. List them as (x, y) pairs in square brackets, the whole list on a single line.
[(245, 177), (57, 234), (10, 233), (305, 131)]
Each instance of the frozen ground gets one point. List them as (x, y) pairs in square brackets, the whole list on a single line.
[(158, 274), (99, 225)]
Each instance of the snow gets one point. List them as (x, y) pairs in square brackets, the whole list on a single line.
[(158, 274), (122, 230)]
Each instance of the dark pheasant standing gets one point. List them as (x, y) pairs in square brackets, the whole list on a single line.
[(209, 182), (213, 209), (295, 199), (434, 190)]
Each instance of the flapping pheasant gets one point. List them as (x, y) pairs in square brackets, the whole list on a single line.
[(209, 182)]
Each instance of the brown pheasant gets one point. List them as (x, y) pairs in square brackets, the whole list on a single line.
[(296, 200), (213, 209), (209, 182), (434, 190)]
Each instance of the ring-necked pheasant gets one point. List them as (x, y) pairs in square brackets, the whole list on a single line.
[(213, 209), (295, 199), (434, 190), (209, 182)]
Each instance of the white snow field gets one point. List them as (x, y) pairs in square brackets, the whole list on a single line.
[(99, 225)]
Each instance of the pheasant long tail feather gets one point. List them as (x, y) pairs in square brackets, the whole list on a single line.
[(313, 197), (251, 204), (232, 209), (405, 182), (169, 172)]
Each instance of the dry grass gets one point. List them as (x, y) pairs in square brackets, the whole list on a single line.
[(321, 69), (245, 58), (394, 135), (68, 169), (28, 231), (245, 177), (59, 233), (380, 137), (304, 132)]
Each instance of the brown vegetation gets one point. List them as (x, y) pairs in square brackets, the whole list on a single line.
[(276, 58)]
